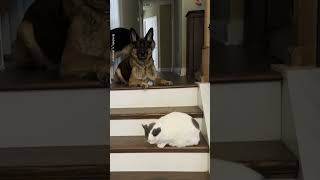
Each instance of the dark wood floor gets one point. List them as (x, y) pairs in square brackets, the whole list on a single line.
[(254, 76), (54, 163), (178, 82), (138, 144)]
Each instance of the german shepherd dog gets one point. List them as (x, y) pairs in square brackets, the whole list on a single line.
[(65, 35), (139, 70)]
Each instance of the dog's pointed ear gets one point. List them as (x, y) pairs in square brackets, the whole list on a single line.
[(133, 35), (149, 35)]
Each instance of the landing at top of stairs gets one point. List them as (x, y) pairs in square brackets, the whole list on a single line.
[(178, 82)]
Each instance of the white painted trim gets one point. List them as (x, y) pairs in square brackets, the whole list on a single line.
[(204, 94), (173, 34), (132, 127), (160, 162), (171, 97), (183, 71)]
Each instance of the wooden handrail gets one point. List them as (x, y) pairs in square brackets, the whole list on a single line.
[(206, 45)]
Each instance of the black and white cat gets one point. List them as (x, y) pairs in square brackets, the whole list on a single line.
[(175, 129)]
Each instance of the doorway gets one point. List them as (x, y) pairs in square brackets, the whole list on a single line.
[(166, 37), (159, 15), (152, 22)]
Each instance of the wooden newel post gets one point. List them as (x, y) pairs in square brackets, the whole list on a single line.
[(206, 44)]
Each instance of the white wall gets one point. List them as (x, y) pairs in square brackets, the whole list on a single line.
[(288, 134), (54, 118), (187, 5), (304, 88), (115, 14), (129, 10), (246, 111)]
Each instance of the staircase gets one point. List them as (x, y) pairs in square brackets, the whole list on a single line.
[(131, 157), (252, 125)]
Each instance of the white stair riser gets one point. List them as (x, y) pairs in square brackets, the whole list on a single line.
[(154, 98), (133, 127), (160, 162)]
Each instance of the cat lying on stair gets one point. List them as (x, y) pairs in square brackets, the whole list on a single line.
[(174, 129)]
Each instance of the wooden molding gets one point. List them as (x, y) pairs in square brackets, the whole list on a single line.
[(307, 30), (206, 45)]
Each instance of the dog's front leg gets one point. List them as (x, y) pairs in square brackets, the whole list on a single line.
[(136, 78), (138, 83), (161, 82), (158, 81), (27, 36)]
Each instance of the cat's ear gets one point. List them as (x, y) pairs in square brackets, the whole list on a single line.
[(149, 35), (145, 127), (134, 35), (156, 132), (195, 123), (146, 130)]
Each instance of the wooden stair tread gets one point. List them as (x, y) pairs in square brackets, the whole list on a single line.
[(54, 156), (159, 176), (69, 162), (55, 172), (153, 112), (18, 80), (138, 144), (272, 159), (241, 77)]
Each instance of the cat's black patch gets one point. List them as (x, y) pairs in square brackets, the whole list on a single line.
[(156, 132), (195, 123), (147, 129)]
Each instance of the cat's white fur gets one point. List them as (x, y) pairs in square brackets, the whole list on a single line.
[(177, 129)]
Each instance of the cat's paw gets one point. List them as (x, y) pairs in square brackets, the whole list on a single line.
[(161, 145)]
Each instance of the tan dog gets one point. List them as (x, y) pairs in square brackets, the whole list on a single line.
[(139, 70), (86, 49), (67, 34)]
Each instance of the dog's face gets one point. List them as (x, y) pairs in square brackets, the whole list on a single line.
[(142, 47)]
